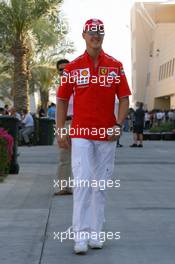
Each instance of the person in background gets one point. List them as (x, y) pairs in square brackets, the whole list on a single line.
[(159, 117), (41, 112), (2, 112), (138, 126), (147, 120), (131, 118), (52, 111), (64, 171), (163, 116), (6, 109), (152, 118), (173, 118), (170, 115), (28, 127), (126, 124), (14, 113)]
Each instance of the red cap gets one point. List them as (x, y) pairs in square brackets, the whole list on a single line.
[(94, 25)]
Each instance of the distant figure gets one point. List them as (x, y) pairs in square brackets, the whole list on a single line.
[(159, 117), (14, 113), (64, 171), (147, 120), (6, 109), (28, 127), (170, 115), (152, 118), (138, 126), (174, 118), (52, 111), (2, 112), (126, 124), (42, 112)]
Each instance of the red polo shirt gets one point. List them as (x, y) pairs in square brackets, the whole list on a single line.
[(94, 90)]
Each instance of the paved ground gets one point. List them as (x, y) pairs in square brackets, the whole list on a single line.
[(142, 209)]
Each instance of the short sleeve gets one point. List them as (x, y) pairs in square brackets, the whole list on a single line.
[(122, 88), (65, 90)]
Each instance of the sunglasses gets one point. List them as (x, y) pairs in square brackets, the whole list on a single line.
[(94, 32)]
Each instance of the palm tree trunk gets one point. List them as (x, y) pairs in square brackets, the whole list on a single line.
[(44, 95), (21, 86)]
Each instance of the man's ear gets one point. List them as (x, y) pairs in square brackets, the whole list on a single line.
[(83, 35)]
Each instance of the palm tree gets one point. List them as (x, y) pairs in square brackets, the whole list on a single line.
[(17, 20), (43, 79), (6, 77)]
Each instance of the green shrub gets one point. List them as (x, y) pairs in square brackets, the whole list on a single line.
[(4, 160), (164, 127)]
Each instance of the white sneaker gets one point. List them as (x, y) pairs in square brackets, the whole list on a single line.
[(80, 247), (93, 243)]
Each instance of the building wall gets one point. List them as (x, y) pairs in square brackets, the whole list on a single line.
[(173, 101), (141, 40), (153, 56), (163, 67)]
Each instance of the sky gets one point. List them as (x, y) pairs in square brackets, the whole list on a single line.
[(116, 17)]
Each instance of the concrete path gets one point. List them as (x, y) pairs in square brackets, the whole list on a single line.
[(142, 209)]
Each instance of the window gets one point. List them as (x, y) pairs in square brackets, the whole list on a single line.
[(148, 79), (169, 73), (160, 68), (173, 64), (161, 77), (166, 70)]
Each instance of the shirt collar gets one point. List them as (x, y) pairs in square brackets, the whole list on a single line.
[(100, 56)]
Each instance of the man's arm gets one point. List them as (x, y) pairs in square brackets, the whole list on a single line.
[(122, 114), (122, 92), (123, 109), (64, 93), (61, 114)]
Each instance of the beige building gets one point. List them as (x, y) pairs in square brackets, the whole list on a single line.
[(153, 54)]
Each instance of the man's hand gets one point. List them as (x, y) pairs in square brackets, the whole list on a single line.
[(114, 133), (63, 141)]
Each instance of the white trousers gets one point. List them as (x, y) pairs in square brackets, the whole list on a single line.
[(92, 161)]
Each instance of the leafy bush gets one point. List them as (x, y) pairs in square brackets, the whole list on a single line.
[(6, 151), (4, 161), (164, 127)]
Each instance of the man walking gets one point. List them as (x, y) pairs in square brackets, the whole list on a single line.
[(94, 79), (138, 126)]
